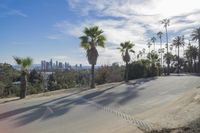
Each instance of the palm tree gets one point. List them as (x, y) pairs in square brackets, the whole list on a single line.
[(166, 22), (25, 63), (149, 46), (168, 57), (143, 51), (196, 36), (153, 57), (125, 49), (89, 41), (159, 34), (153, 39), (191, 54), (178, 42), (171, 48), (140, 54)]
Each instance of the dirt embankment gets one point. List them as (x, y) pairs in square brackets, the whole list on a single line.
[(182, 115)]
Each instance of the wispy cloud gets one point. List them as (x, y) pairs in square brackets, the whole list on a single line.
[(16, 13), (54, 37), (5, 12), (135, 20)]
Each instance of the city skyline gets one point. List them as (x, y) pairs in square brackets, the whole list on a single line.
[(51, 29)]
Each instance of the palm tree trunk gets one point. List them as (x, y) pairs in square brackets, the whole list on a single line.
[(167, 50), (191, 66), (199, 57), (23, 85), (161, 62), (92, 77), (178, 61), (126, 73), (194, 68)]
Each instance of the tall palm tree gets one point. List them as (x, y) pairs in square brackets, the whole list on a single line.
[(89, 41), (166, 22), (159, 34), (126, 48), (153, 40), (25, 63), (143, 51), (196, 36), (171, 48), (149, 46), (140, 53), (168, 57), (191, 54), (153, 57), (178, 42)]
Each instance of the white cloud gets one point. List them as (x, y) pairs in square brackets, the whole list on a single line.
[(6, 11), (134, 20), (54, 36), (17, 13)]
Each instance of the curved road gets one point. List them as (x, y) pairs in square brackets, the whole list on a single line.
[(80, 112)]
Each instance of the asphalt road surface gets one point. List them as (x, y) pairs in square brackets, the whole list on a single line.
[(93, 111)]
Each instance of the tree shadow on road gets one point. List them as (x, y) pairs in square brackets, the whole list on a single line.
[(60, 106)]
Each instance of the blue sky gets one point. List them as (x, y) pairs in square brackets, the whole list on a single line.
[(46, 29)]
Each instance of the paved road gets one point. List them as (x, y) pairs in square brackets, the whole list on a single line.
[(92, 111)]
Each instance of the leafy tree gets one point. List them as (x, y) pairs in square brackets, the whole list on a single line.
[(139, 69), (102, 74), (116, 73), (89, 41), (24, 63), (8, 75), (125, 48), (36, 82), (35, 77), (178, 42), (166, 22), (196, 36), (51, 85)]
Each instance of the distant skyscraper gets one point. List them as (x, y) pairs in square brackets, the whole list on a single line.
[(56, 64), (47, 66), (51, 64), (60, 65), (43, 65)]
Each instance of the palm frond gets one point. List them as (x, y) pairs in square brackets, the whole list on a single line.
[(17, 60), (27, 62), (121, 50), (84, 39), (132, 51), (101, 41), (195, 34), (85, 46)]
